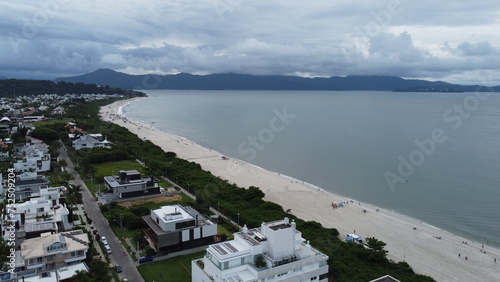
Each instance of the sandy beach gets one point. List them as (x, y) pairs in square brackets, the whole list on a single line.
[(429, 250)]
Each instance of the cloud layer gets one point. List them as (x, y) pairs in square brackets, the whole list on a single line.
[(454, 41)]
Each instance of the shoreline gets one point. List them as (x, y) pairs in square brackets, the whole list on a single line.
[(428, 249)]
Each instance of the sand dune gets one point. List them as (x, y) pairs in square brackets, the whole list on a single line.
[(429, 250)]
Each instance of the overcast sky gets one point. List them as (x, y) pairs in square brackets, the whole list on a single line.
[(455, 41)]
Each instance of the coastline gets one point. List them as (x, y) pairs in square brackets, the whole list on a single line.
[(429, 250)]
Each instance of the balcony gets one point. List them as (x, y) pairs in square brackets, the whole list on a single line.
[(75, 258), (35, 265)]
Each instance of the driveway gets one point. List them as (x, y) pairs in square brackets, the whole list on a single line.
[(119, 255)]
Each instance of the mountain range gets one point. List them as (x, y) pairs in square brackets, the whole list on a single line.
[(234, 81)]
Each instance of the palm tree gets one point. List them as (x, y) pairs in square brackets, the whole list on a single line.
[(74, 197)]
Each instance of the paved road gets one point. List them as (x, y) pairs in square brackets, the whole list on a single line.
[(119, 255)]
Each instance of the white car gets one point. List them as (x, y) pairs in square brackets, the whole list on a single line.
[(104, 240), (108, 249)]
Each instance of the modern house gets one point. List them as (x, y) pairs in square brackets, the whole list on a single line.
[(176, 227), (29, 183), (38, 162), (275, 251), (130, 183), (88, 141), (41, 214), (32, 156), (55, 251)]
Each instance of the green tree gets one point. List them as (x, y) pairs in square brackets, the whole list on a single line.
[(47, 135), (377, 249), (63, 163), (65, 176), (99, 271), (149, 251), (81, 276), (74, 197)]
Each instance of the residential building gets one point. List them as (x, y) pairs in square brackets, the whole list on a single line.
[(275, 251), (88, 141), (29, 183), (33, 118), (177, 227), (130, 183), (32, 156), (38, 162), (55, 251), (386, 278), (40, 214)]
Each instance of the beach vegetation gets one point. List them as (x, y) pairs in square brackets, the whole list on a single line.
[(377, 249), (45, 134)]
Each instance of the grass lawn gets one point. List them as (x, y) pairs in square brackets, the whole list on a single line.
[(112, 168), (176, 269), (221, 229)]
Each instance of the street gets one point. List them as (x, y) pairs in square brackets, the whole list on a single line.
[(119, 255)]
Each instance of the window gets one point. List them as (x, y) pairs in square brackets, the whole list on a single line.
[(184, 224), (39, 259)]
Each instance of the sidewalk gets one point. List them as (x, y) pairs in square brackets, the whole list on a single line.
[(134, 250)]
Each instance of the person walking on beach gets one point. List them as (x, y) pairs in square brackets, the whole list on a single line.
[(459, 255)]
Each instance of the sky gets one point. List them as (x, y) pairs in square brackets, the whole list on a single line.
[(455, 41)]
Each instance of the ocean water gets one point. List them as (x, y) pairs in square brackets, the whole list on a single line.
[(432, 156)]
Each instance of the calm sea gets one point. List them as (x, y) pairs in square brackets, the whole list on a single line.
[(432, 156)]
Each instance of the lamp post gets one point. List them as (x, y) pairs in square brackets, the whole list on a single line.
[(238, 219), (218, 212)]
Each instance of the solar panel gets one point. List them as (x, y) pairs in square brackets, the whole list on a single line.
[(220, 250), (231, 247)]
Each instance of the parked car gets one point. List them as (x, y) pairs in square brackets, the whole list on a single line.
[(108, 249), (145, 259), (118, 268), (104, 240)]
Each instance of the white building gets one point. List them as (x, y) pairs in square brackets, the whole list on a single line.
[(36, 158), (38, 215), (177, 227), (88, 141), (274, 252)]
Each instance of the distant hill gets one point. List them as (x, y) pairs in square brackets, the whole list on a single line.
[(23, 87), (233, 81)]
